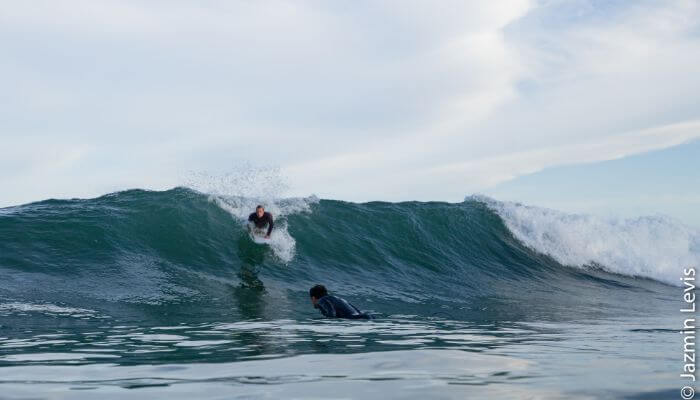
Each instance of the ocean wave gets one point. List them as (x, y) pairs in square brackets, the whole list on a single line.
[(655, 247), (181, 246)]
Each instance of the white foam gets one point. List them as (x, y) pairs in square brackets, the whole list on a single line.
[(157, 337), (46, 308), (54, 356), (282, 243), (239, 192), (654, 247)]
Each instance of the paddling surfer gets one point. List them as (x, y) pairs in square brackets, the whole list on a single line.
[(333, 306)]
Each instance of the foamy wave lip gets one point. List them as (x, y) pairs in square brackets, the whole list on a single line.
[(653, 247), (241, 207)]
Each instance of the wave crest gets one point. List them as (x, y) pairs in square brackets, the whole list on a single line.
[(654, 247)]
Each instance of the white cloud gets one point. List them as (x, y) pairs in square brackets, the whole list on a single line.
[(389, 100), (451, 179), (493, 170)]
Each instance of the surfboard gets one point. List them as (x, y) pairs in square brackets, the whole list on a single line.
[(259, 239), (258, 236)]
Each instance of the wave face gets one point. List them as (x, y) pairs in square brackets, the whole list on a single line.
[(183, 249)]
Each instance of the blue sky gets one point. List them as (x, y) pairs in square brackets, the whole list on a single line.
[(391, 100), (663, 182)]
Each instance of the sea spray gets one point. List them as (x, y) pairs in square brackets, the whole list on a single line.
[(239, 192)]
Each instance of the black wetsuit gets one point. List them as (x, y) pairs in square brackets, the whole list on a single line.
[(260, 222), (335, 307)]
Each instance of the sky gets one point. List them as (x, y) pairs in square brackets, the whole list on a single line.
[(365, 100), (663, 182)]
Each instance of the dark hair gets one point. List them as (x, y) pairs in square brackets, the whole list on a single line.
[(318, 291), (259, 207)]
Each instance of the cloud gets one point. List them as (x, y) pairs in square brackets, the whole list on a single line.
[(577, 89), (490, 171), (390, 100), (451, 179)]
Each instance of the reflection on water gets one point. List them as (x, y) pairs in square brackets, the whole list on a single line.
[(252, 257), (400, 356), (218, 342), (249, 278)]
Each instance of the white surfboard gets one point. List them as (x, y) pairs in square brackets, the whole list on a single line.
[(258, 236)]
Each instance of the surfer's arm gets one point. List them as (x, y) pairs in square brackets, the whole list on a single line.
[(271, 224), (326, 309), (359, 313)]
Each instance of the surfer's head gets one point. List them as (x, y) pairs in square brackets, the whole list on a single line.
[(260, 210), (316, 293)]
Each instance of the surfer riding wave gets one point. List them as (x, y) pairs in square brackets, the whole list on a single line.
[(261, 218)]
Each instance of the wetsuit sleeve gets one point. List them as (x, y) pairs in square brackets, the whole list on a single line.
[(360, 314), (271, 222), (326, 309), (250, 217), (357, 310)]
